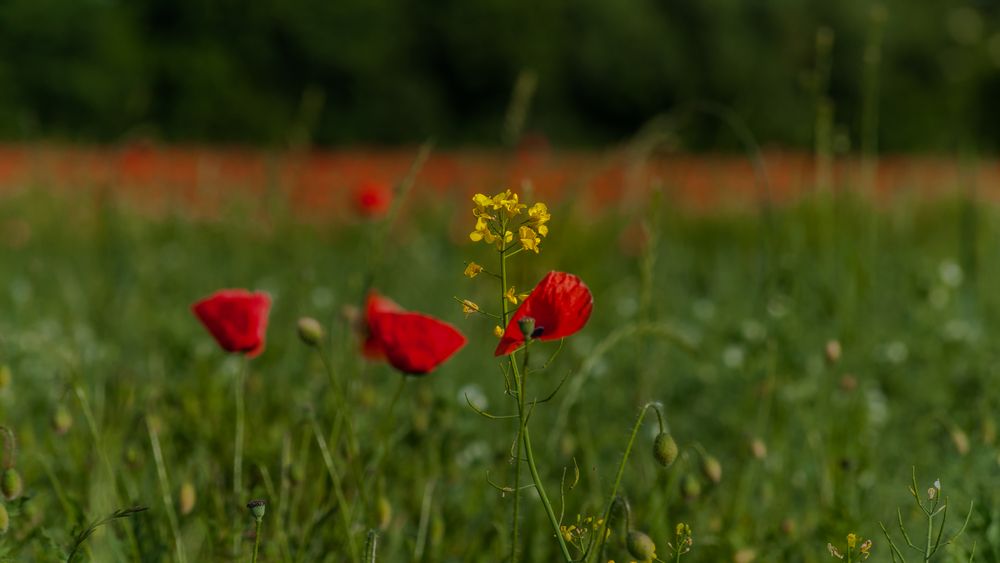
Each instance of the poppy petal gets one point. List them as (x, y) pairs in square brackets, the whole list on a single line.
[(560, 304), (414, 343), (236, 318), (371, 348)]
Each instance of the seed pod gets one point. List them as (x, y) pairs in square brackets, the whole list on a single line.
[(10, 484), (665, 449), (383, 513), (186, 498), (310, 331), (62, 420), (4, 519), (711, 469), (641, 546), (527, 326), (257, 508)]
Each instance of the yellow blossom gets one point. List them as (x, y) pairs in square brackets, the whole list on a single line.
[(472, 270), (511, 296), (852, 540), (497, 331), (538, 215), (529, 239), (468, 307)]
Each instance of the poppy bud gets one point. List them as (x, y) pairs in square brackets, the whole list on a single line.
[(641, 546), (257, 508), (4, 520), (10, 484), (5, 376), (383, 511), (187, 498), (832, 351), (665, 449), (712, 469), (690, 487), (62, 420), (527, 326), (310, 331)]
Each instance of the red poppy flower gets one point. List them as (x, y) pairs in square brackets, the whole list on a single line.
[(372, 199), (560, 304), (413, 343), (236, 318)]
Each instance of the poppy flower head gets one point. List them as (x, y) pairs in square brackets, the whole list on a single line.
[(236, 318), (560, 305), (413, 343), (372, 199)]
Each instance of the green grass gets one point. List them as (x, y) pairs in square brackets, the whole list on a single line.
[(725, 323)]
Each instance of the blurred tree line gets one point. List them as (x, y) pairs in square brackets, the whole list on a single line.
[(398, 71)]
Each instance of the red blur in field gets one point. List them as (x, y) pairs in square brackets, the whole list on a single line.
[(317, 185), (413, 343), (372, 199), (236, 318), (560, 305)]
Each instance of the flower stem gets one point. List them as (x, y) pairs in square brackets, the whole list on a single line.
[(241, 382), (618, 477), (256, 540)]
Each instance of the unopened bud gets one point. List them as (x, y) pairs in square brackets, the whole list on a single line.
[(10, 484), (310, 331), (383, 511), (712, 469), (961, 441), (832, 351), (257, 508), (187, 498), (665, 449), (641, 546), (62, 420), (527, 326), (931, 493), (758, 448), (690, 487)]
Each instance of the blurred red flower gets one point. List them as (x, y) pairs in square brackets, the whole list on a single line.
[(372, 199), (236, 318), (413, 343), (560, 304)]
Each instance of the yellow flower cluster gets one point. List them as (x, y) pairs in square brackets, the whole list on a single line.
[(495, 218)]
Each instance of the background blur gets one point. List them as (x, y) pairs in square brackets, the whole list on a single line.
[(387, 72)]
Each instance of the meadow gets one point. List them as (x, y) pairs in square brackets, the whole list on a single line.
[(809, 359)]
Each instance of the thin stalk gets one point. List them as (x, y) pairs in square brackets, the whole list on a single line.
[(256, 540), (168, 503), (618, 477), (530, 457), (343, 506), (241, 382)]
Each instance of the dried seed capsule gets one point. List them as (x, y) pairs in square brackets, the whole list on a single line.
[(665, 449)]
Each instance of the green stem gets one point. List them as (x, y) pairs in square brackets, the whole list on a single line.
[(602, 534), (256, 540), (530, 456), (515, 525), (241, 382)]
